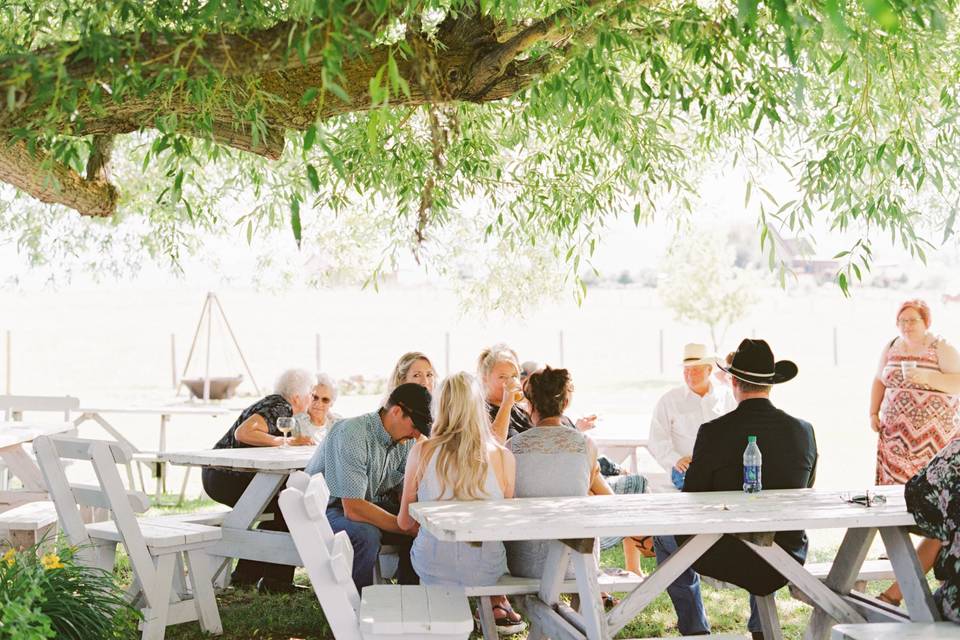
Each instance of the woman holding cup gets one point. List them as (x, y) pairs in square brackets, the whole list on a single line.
[(914, 406), (499, 370)]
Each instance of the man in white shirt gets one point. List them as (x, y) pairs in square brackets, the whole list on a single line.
[(680, 412)]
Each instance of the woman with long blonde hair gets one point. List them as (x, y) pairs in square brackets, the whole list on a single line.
[(460, 461), (413, 366)]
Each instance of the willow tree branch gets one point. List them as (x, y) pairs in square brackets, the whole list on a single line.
[(53, 182)]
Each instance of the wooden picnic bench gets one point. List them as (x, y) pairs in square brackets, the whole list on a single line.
[(160, 549), (150, 459), (572, 524), (380, 611)]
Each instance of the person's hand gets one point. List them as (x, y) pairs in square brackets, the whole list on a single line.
[(920, 376), (683, 464), (875, 422), (587, 422), (412, 531), (511, 388), (301, 441)]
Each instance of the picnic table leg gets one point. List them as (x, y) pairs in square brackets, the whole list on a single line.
[(591, 607), (658, 581), (769, 620), (910, 576), (822, 598), (843, 574), (541, 609), (20, 464), (248, 508), (161, 465)]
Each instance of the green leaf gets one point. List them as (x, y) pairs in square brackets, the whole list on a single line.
[(309, 96), (309, 137), (295, 218), (337, 90), (747, 12), (882, 12), (839, 62), (313, 177)]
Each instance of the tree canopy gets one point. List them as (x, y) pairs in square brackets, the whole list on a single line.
[(550, 116)]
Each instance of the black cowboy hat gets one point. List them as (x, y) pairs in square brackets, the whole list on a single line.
[(753, 362)]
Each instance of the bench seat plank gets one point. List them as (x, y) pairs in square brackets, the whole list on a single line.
[(897, 631), (511, 585), (31, 516), (159, 532), (448, 611)]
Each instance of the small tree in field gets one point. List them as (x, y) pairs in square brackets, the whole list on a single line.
[(700, 283)]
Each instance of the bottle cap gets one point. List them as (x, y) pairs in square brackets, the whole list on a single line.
[(751, 439)]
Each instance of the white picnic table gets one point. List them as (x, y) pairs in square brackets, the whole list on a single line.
[(621, 449), (165, 413), (573, 523), (271, 465), (13, 437)]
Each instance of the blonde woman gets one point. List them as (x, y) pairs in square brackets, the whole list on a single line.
[(499, 371), (460, 461), (413, 366)]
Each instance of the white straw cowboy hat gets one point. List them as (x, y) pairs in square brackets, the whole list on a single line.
[(696, 354)]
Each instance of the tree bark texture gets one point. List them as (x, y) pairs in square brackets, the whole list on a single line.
[(471, 65)]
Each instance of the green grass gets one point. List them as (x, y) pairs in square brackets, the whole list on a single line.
[(247, 614)]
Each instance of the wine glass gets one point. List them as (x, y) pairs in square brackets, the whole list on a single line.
[(285, 425)]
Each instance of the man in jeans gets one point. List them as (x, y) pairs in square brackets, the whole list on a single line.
[(362, 460)]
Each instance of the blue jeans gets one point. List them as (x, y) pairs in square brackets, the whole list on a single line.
[(677, 477), (366, 540), (684, 592)]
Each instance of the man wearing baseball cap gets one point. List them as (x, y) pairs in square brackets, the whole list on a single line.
[(789, 451), (362, 460)]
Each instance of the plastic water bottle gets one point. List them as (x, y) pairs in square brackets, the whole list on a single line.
[(752, 464)]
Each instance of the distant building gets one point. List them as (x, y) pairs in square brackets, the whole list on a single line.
[(799, 255)]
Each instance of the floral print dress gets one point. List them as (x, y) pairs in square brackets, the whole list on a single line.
[(933, 497)]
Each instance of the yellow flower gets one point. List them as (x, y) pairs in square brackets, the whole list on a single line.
[(51, 561), (9, 557)]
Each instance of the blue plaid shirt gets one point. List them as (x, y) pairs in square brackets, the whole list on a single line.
[(359, 459)]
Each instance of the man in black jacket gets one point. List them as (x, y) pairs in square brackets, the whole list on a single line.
[(789, 452)]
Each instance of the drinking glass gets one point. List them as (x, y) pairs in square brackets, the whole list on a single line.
[(907, 366), (285, 425), (518, 392)]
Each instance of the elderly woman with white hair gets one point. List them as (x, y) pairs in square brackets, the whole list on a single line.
[(296, 391), (318, 417)]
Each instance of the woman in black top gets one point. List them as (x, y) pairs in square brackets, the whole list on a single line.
[(257, 427), (499, 371)]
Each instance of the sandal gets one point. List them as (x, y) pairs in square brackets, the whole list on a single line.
[(645, 546), (609, 601), (510, 622)]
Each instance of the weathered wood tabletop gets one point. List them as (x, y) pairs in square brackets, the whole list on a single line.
[(657, 514)]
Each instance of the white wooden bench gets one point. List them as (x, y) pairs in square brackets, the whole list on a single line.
[(381, 611), (159, 548), (897, 631), (513, 586), (869, 571), (28, 524)]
